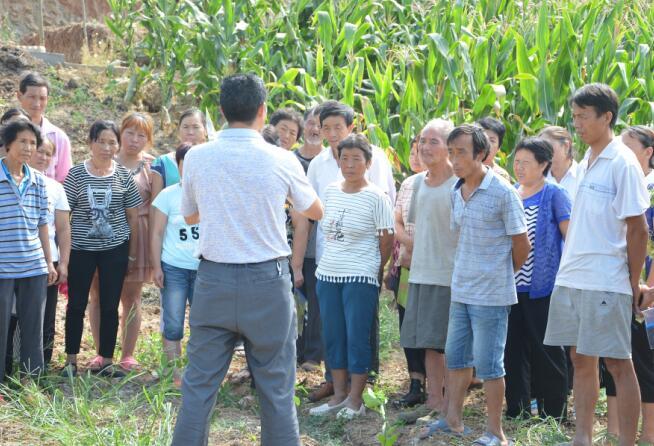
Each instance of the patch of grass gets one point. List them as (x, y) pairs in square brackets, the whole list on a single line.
[(389, 332), (326, 431), (90, 411)]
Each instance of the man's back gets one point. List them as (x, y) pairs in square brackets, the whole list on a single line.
[(239, 184)]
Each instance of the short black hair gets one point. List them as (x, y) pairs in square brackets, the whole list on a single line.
[(32, 79), (269, 133), (599, 96), (494, 125), (100, 126), (335, 108), (541, 149), (181, 151), (356, 141), (288, 114), (480, 142), (12, 113), (9, 132), (645, 135), (241, 95), (193, 111)]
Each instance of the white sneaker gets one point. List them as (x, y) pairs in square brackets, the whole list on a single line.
[(326, 409), (347, 414)]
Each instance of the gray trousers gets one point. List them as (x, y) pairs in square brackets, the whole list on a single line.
[(253, 301), (30, 306)]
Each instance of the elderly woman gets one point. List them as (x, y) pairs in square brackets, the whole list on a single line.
[(136, 137), (547, 208), (192, 129), (104, 202), (358, 227), (640, 140), (26, 267)]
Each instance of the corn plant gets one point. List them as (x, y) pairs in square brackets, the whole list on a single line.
[(401, 62)]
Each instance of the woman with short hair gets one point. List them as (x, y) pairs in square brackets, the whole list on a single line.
[(531, 366), (59, 227), (26, 267), (358, 226), (104, 202), (136, 138)]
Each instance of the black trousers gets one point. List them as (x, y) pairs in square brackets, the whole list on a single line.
[(415, 357), (533, 368), (309, 344), (643, 359), (112, 266)]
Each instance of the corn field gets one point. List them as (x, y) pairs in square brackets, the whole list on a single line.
[(398, 62)]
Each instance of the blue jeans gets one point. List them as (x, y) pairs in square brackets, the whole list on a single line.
[(177, 290), (476, 337), (347, 311)]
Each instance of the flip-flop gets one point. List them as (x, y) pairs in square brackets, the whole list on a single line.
[(441, 427), (488, 439)]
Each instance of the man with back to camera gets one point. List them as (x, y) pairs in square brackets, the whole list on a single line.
[(243, 285), (33, 94), (597, 287)]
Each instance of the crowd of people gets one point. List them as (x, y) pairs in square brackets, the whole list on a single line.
[(531, 287)]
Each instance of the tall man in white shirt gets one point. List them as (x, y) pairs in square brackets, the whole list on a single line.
[(243, 285), (337, 122), (598, 283)]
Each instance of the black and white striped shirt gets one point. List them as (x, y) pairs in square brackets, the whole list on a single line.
[(98, 218), (523, 276), (351, 227)]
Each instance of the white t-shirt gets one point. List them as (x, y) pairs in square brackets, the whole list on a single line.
[(351, 228), (595, 251), (239, 184), (570, 180), (324, 170), (57, 201), (434, 242), (181, 241)]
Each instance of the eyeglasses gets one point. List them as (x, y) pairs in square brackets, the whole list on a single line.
[(27, 143)]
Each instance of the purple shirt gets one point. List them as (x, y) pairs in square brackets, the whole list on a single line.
[(62, 160)]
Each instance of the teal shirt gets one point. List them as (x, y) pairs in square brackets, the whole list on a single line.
[(166, 166)]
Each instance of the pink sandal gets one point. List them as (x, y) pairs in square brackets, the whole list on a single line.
[(96, 363), (129, 363)]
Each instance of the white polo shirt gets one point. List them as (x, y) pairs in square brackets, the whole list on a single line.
[(570, 180), (324, 171), (595, 252)]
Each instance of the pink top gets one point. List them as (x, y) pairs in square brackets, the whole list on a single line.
[(402, 203), (62, 160)]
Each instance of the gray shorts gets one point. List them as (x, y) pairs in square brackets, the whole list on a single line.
[(597, 323), (426, 317)]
